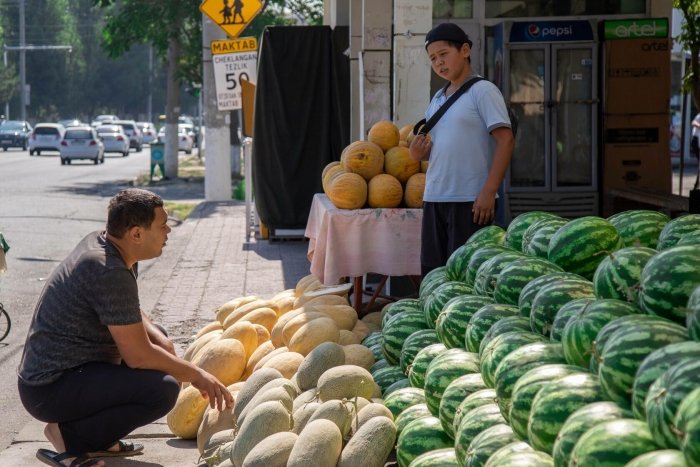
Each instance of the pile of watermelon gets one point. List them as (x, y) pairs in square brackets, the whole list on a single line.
[(554, 342)]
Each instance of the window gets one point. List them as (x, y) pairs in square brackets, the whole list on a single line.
[(45, 130), (78, 134), (529, 8), (445, 9)]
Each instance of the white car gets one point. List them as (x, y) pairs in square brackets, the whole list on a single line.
[(184, 140), (102, 119), (81, 142), (46, 137), (148, 132), (113, 138)]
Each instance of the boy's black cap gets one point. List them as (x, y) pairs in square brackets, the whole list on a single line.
[(447, 32)]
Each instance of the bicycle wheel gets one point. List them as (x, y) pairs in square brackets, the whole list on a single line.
[(4, 323)]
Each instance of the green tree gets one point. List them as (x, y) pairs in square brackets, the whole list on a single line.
[(689, 38)]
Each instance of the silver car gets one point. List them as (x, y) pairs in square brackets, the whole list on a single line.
[(46, 137), (81, 142), (113, 138), (148, 132)]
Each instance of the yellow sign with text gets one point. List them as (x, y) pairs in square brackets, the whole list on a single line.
[(244, 44), (231, 15)]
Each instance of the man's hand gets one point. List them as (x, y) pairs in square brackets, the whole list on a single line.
[(420, 147), (211, 388), (484, 208)]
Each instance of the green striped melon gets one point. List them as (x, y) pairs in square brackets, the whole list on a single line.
[(388, 376), (454, 394), (551, 298), (519, 362), (397, 330), (517, 227), (417, 368), (675, 229), (581, 330), (668, 279), (373, 338), (444, 369), (582, 244), (474, 422), (490, 270), (517, 275), (378, 365), (401, 399), (502, 326), (377, 351), (564, 314), (536, 242), (486, 443), (439, 298), (456, 267), (499, 347), (482, 320), (418, 437), (619, 274), (553, 404), (528, 293), (445, 457), (687, 423), (656, 364), (431, 281), (526, 459), (692, 320), (479, 257), (451, 323), (612, 443), (413, 344), (535, 226), (511, 448), (639, 227), (581, 421), (665, 396), (691, 238), (664, 457), (626, 349), (409, 414), (472, 401), (493, 233), (525, 389), (395, 386), (400, 306)]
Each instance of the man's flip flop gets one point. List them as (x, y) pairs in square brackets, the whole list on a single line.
[(55, 459), (126, 448)]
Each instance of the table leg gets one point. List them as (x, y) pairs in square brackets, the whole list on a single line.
[(357, 294)]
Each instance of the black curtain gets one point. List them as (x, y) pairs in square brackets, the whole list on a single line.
[(301, 122)]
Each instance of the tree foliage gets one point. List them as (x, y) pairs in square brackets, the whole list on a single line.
[(689, 38)]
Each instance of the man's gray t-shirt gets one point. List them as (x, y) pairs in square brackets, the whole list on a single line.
[(91, 289)]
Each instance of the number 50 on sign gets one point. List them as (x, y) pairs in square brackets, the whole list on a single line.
[(234, 61)]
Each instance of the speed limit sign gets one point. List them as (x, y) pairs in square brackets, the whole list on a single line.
[(234, 61)]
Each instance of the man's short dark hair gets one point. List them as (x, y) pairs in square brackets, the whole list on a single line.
[(131, 207)]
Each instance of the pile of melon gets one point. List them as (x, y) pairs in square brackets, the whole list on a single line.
[(378, 172), (298, 373)]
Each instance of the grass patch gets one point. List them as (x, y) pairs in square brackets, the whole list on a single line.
[(179, 210)]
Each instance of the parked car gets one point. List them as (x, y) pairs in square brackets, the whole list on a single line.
[(46, 137), (184, 141), (148, 132), (189, 128), (133, 132), (14, 134), (70, 122), (113, 138), (81, 142), (100, 119)]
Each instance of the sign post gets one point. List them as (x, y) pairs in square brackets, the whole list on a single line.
[(234, 61)]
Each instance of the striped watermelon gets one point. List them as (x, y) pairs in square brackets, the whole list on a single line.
[(515, 447), (525, 389), (454, 394), (692, 321), (691, 238), (438, 458), (375, 337), (459, 259), (665, 457), (378, 365), (493, 233), (440, 296), (409, 414), (519, 362), (401, 399), (626, 349), (418, 437), (656, 364), (517, 274), (486, 443), (451, 323), (490, 270), (479, 257), (474, 422), (397, 330), (551, 298), (502, 326), (388, 376), (517, 227), (472, 401), (687, 423), (619, 274), (500, 346), (665, 396), (564, 314), (444, 369), (432, 281), (538, 235), (553, 404), (414, 344), (526, 459), (400, 384), (377, 351), (668, 279), (612, 443), (417, 369), (676, 228), (529, 291), (581, 330), (581, 245), (581, 421), (639, 227), (399, 306), (482, 320)]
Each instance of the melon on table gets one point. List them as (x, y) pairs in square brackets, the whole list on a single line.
[(384, 191), (348, 191), (364, 158), (398, 162), (384, 134), (415, 187)]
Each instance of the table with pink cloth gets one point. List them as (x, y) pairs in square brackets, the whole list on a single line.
[(352, 243)]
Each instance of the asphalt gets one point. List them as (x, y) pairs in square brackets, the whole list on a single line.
[(207, 261)]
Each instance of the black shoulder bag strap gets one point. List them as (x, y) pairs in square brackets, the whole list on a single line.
[(423, 127)]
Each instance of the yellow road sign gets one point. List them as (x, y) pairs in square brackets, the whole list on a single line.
[(231, 15)]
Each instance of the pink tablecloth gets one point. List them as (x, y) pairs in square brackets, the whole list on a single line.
[(351, 243)]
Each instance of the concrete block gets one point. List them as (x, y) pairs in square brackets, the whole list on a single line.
[(377, 16), (413, 16), (411, 79), (376, 87)]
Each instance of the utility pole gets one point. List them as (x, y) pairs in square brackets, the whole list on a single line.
[(22, 64), (149, 111), (7, 104)]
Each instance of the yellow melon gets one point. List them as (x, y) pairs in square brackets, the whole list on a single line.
[(348, 191), (187, 414), (398, 162), (413, 196), (329, 175), (363, 158), (405, 131), (384, 134), (384, 191), (245, 333), (225, 359), (329, 166), (424, 166)]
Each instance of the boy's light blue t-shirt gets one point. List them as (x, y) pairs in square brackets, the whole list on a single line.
[(463, 147)]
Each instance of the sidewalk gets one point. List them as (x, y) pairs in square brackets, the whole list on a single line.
[(206, 262)]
